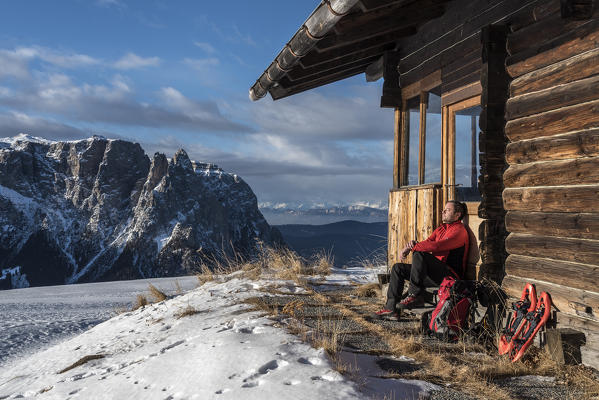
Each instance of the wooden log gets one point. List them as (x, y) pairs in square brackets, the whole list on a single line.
[(566, 119), (576, 275), (572, 93), (577, 41), (566, 299), (573, 225), (530, 15), (571, 69), (583, 251), (553, 199), (576, 144), (461, 20), (579, 171), (539, 32)]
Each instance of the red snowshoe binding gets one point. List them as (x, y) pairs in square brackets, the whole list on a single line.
[(535, 320), (515, 321)]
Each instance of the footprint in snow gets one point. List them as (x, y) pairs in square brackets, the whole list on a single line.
[(292, 382)]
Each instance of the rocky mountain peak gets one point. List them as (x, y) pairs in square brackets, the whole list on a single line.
[(100, 209)]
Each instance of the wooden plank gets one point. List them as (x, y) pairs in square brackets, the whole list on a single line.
[(576, 275), (571, 69), (298, 73), (464, 81), (566, 119), (579, 171), (577, 41), (461, 20), (553, 199), (539, 32), (530, 15), (553, 98), (573, 225), (314, 57), (286, 88), (584, 143), (427, 83), (566, 299), (583, 251), (353, 29), (440, 60)]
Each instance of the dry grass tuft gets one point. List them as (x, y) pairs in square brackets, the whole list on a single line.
[(178, 288), (82, 361), (186, 312), (368, 290), (322, 263), (157, 294), (140, 301)]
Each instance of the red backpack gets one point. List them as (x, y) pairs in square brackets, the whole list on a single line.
[(453, 311)]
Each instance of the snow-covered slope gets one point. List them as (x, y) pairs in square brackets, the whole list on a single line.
[(222, 351), (100, 209)]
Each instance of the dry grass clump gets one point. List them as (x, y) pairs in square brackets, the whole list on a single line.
[(368, 290), (186, 312), (140, 301), (157, 294), (82, 361), (322, 263)]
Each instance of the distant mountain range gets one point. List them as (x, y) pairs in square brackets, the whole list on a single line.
[(322, 215), (99, 209), (350, 242)]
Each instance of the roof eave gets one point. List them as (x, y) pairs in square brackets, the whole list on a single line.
[(318, 24)]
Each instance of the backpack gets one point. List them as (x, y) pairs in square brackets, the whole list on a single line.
[(454, 310)]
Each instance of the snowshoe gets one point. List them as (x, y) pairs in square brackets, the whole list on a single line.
[(516, 320), (535, 320)]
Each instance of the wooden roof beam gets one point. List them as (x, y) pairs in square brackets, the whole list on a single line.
[(278, 92), (299, 73)]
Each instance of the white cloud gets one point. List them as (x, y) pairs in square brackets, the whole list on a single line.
[(207, 47), (201, 64), (133, 61)]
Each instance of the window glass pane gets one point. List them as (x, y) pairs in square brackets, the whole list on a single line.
[(432, 163), (467, 167), (413, 138)]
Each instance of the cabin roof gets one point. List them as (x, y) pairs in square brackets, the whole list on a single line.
[(343, 38)]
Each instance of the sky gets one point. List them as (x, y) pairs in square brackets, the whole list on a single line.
[(176, 74)]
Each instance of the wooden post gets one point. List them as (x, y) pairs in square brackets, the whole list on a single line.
[(397, 147), (495, 91), (473, 177), (422, 141), (563, 345)]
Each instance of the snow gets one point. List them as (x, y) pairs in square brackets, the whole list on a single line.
[(15, 197), (223, 351)]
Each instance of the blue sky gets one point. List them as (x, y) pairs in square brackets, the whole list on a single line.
[(176, 74)]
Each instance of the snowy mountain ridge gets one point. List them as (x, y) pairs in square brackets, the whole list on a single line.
[(100, 209)]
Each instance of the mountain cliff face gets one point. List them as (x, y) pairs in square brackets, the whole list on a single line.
[(99, 209)]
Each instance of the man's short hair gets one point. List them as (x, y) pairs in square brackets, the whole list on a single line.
[(459, 207)]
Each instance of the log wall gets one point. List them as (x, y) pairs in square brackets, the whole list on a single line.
[(552, 183)]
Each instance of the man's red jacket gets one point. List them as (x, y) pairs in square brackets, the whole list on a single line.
[(443, 240)]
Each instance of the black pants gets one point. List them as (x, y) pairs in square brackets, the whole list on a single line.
[(425, 271)]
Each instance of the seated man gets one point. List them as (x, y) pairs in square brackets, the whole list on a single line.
[(444, 253)]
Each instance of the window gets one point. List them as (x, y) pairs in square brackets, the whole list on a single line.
[(432, 157)]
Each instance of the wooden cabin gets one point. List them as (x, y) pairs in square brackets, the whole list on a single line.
[(496, 103)]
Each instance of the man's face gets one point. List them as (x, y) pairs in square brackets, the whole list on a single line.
[(449, 214)]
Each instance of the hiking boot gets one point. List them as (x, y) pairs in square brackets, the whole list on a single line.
[(411, 302), (387, 314)]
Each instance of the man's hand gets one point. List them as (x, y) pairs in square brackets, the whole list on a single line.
[(406, 250)]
